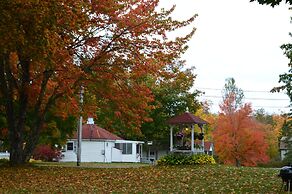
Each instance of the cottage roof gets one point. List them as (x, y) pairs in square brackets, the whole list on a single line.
[(94, 132), (186, 118)]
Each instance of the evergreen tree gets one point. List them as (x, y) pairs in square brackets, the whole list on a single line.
[(287, 134)]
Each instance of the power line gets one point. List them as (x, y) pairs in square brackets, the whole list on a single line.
[(277, 107), (218, 89), (276, 99)]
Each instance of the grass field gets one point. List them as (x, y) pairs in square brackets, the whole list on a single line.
[(147, 179)]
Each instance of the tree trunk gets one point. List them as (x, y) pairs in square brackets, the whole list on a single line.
[(237, 162), (17, 155)]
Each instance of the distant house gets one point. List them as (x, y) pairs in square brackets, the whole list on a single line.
[(99, 145), (283, 147), (4, 155)]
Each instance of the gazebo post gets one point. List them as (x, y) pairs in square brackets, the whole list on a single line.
[(171, 138), (192, 141)]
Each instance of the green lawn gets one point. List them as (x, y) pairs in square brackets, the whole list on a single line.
[(149, 179)]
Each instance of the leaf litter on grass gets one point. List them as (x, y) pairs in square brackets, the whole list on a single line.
[(156, 179)]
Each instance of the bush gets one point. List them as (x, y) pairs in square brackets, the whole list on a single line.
[(46, 153), (182, 159), (274, 164), (4, 160)]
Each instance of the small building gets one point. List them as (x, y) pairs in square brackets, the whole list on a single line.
[(283, 147), (4, 155), (153, 151), (99, 145), (187, 120)]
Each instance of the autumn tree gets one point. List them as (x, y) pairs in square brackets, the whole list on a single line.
[(272, 127), (238, 138), (211, 118), (50, 48)]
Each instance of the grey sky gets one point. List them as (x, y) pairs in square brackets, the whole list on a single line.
[(237, 39)]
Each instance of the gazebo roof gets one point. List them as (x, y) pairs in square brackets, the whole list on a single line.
[(186, 118)]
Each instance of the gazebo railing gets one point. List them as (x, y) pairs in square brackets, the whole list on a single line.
[(196, 150)]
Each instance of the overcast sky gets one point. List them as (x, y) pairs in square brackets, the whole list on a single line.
[(237, 39)]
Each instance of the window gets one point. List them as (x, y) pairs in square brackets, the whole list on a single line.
[(118, 146), (70, 146), (127, 148)]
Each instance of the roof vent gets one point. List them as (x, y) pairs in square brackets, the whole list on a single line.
[(90, 121)]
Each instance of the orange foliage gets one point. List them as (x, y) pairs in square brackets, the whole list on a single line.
[(50, 48), (238, 138)]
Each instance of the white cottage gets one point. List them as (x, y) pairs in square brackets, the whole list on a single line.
[(99, 145)]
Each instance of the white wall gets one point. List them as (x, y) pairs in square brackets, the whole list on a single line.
[(91, 151), (134, 157), (130, 157), (102, 151), (95, 151), (116, 155)]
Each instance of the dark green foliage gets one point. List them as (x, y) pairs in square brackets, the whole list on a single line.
[(3, 161), (58, 130), (273, 164), (286, 78), (172, 97), (272, 2), (184, 159), (263, 117)]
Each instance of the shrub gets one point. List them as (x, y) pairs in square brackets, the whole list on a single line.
[(274, 164), (182, 159), (46, 153), (4, 160)]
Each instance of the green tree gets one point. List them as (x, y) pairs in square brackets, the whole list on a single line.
[(232, 94), (272, 2), (173, 96), (264, 117)]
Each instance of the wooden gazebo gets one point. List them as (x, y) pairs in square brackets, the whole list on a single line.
[(186, 119)]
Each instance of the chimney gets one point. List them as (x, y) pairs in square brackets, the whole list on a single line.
[(90, 121)]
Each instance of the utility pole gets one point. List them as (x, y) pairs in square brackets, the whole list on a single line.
[(79, 129)]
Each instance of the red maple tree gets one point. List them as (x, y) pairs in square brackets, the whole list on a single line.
[(239, 139)]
